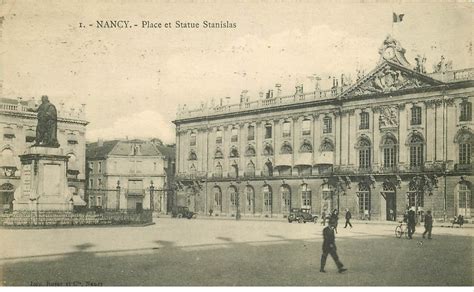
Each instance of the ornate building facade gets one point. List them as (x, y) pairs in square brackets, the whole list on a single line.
[(130, 174), (18, 132), (396, 138)]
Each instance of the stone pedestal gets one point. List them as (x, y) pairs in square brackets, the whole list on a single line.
[(43, 183)]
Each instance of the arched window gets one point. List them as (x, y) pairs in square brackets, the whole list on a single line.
[(268, 150), (250, 151), (192, 155), (217, 198), (285, 192), (250, 170), (327, 146), (464, 199), (465, 140), (234, 152), (233, 197), (364, 153), (268, 169), (389, 148), (327, 125), (305, 196), (416, 151), (218, 154), (218, 171), (267, 198), (363, 195), (286, 148), (250, 199), (306, 147)]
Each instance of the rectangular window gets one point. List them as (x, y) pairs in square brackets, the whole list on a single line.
[(91, 183), (364, 158), (464, 153), (192, 140), (99, 201), (306, 198), (416, 115), (306, 127), (268, 132), (364, 200), (389, 157), (327, 125), (364, 121), (91, 167), (416, 156), (235, 135), (466, 112), (251, 133), (286, 129), (219, 137), (418, 196), (99, 167)]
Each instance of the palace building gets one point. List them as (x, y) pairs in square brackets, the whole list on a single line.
[(18, 133), (396, 138)]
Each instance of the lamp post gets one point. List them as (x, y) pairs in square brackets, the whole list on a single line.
[(237, 204), (152, 189), (118, 195)]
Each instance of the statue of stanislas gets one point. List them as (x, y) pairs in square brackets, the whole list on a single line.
[(46, 130)]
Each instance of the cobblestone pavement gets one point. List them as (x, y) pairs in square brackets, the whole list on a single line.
[(178, 252)]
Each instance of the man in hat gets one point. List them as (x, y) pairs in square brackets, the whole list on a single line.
[(428, 224), (411, 222), (329, 247)]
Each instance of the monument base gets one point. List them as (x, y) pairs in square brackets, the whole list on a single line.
[(43, 183)]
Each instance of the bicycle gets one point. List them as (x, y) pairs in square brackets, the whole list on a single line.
[(401, 229)]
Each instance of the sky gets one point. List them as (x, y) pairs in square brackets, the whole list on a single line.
[(132, 80)]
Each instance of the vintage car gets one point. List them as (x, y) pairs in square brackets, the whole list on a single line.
[(302, 215), (181, 211)]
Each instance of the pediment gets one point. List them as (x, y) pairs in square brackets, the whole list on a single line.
[(389, 77)]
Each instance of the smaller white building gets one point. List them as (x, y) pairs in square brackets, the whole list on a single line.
[(130, 174)]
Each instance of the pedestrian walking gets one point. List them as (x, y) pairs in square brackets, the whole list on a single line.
[(323, 216), (335, 218), (411, 222), (329, 247), (348, 218), (428, 224)]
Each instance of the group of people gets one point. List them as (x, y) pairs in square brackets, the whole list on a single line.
[(410, 219), (329, 238)]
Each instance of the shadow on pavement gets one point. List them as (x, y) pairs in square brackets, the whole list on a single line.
[(371, 262)]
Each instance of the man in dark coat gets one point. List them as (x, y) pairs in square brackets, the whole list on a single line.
[(428, 224), (329, 247), (411, 222), (46, 130), (348, 218), (335, 218)]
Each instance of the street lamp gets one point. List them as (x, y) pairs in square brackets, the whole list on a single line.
[(152, 189), (237, 204)]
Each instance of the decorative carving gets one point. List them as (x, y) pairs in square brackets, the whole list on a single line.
[(392, 50), (420, 64), (388, 116)]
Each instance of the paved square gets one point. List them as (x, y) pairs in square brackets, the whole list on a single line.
[(177, 252)]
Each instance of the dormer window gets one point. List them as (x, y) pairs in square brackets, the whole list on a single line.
[(136, 149)]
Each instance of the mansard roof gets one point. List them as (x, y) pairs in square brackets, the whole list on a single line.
[(388, 77)]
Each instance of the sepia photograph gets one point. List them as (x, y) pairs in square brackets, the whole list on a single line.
[(252, 143)]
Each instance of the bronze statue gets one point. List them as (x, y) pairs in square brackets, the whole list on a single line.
[(46, 130)]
